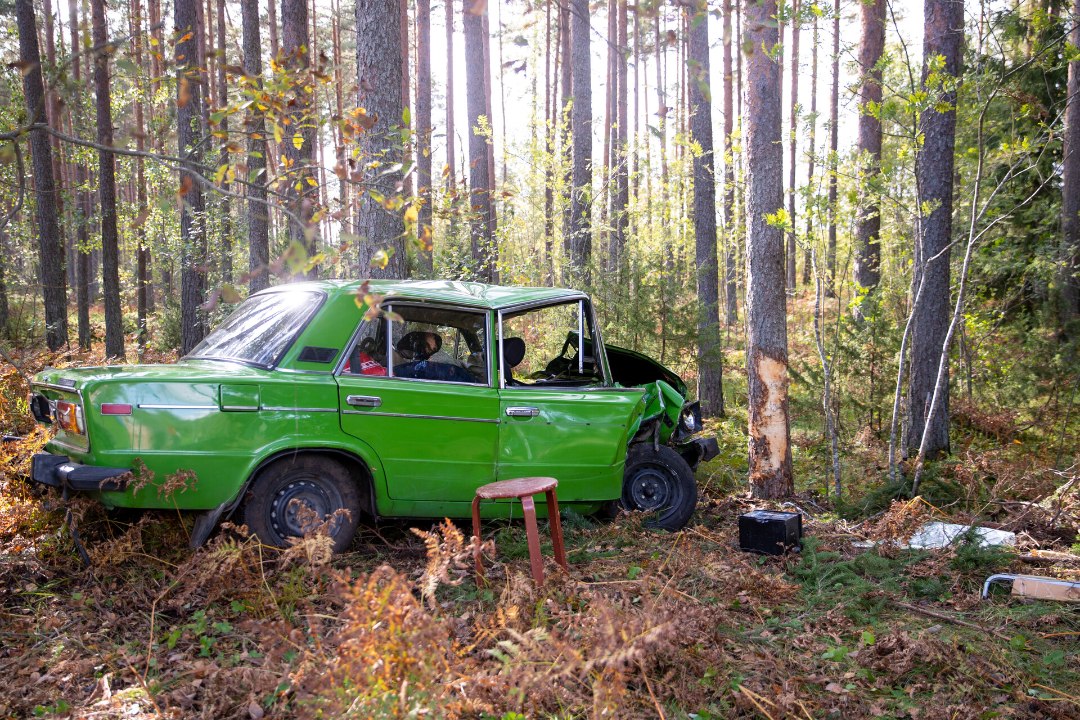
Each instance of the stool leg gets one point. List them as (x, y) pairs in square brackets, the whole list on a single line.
[(476, 532), (533, 536), (555, 522)]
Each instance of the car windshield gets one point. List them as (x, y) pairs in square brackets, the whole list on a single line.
[(261, 329)]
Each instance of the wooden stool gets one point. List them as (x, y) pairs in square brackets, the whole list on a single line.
[(524, 489)]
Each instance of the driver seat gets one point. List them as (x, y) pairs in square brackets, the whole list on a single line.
[(513, 352)]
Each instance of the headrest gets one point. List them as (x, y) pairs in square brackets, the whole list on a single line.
[(513, 351), (419, 345)]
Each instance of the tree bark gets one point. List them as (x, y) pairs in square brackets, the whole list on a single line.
[(943, 37), (619, 215), (1070, 190), (451, 139), (793, 143), (143, 286), (710, 365), (82, 239), (406, 92), (834, 144), (808, 258), (50, 246), (381, 250), (423, 133), (766, 314), (272, 25), (301, 185), (189, 146), (110, 251), (565, 114), (868, 221), (581, 131), (258, 221), (223, 102), (731, 312), (483, 220)]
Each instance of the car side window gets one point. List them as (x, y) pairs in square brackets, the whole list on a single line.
[(413, 342), (549, 346)]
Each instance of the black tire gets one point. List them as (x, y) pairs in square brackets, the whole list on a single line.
[(322, 484), (661, 483)]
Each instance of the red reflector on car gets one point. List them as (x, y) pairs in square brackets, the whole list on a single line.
[(115, 409)]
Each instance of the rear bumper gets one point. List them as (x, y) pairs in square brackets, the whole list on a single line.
[(698, 450), (58, 471)]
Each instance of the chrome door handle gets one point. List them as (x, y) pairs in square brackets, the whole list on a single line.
[(364, 401), (522, 411)]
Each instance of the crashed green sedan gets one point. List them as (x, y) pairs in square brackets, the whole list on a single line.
[(307, 394)]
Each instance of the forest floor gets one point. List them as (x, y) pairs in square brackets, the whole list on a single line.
[(645, 624)]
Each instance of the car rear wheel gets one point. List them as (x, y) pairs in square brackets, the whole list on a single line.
[(658, 481), (274, 509)]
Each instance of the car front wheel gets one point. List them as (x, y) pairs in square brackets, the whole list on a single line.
[(274, 510), (658, 481)]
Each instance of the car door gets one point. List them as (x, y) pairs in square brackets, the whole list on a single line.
[(435, 430), (560, 416)]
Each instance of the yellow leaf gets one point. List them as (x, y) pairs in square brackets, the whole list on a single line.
[(278, 135), (380, 260), (298, 141), (311, 181), (411, 215)]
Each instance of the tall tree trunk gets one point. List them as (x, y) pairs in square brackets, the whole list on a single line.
[(943, 37), (406, 92), (381, 251), (566, 111), (157, 59), (793, 143), (50, 246), (766, 315), (302, 186), (53, 99), (482, 233), (710, 366), (143, 286), (423, 133), (272, 24), (223, 102), (82, 238), (1070, 188), (581, 131), (550, 122), (619, 216), (834, 144), (868, 222), (110, 251), (189, 146), (731, 313), (808, 259), (258, 221), (451, 139)]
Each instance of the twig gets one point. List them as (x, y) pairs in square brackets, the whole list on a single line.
[(754, 697), (648, 686), (948, 618)]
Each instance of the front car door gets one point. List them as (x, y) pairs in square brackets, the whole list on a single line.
[(417, 385), (560, 414)]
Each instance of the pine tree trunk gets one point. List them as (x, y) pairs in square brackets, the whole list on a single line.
[(110, 252), (423, 133), (943, 36), (549, 151), (406, 92), (482, 233), (834, 143), (868, 221), (301, 186), (258, 221), (53, 99), (581, 131), (379, 78), (451, 139), (793, 144), (223, 102), (1070, 189), (82, 239), (272, 24), (565, 115), (50, 246), (766, 315), (189, 147), (812, 154), (710, 364), (143, 286), (619, 217), (731, 311)]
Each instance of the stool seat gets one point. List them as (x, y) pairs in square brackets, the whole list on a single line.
[(516, 488), (523, 489)]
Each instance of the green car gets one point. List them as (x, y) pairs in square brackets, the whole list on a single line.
[(386, 399)]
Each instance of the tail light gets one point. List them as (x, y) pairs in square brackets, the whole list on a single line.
[(69, 416)]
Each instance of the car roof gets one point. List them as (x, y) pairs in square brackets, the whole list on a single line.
[(492, 297)]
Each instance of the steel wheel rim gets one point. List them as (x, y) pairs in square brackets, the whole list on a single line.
[(652, 488), (308, 492)]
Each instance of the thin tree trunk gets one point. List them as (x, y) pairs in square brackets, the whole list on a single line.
[(550, 123), (482, 233), (223, 102), (50, 246), (272, 24), (189, 147), (53, 99), (581, 195), (731, 313), (868, 222), (710, 365), (142, 278), (943, 36), (258, 228), (834, 144), (451, 139), (302, 186), (423, 133), (565, 121), (381, 252), (82, 239), (767, 356), (619, 212), (406, 93), (110, 252), (1070, 188), (793, 130), (809, 258)]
